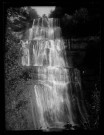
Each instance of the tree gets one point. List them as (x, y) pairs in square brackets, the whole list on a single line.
[(81, 15), (57, 13), (19, 18), (33, 13)]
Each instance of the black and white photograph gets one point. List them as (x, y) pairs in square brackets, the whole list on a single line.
[(52, 65)]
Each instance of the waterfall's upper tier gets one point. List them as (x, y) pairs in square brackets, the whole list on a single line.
[(46, 22), (45, 28)]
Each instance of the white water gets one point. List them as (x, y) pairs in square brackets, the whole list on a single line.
[(48, 49)]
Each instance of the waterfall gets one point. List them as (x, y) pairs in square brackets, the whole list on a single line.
[(54, 73)]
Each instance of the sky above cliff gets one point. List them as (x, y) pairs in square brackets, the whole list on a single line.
[(43, 9)]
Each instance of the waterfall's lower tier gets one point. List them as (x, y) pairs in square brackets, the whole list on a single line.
[(53, 76), (66, 91)]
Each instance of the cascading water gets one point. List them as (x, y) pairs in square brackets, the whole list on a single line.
[(58, 84)]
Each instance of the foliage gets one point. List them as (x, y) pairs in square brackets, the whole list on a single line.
[(19, 18), (57, 13), (81, 15)]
